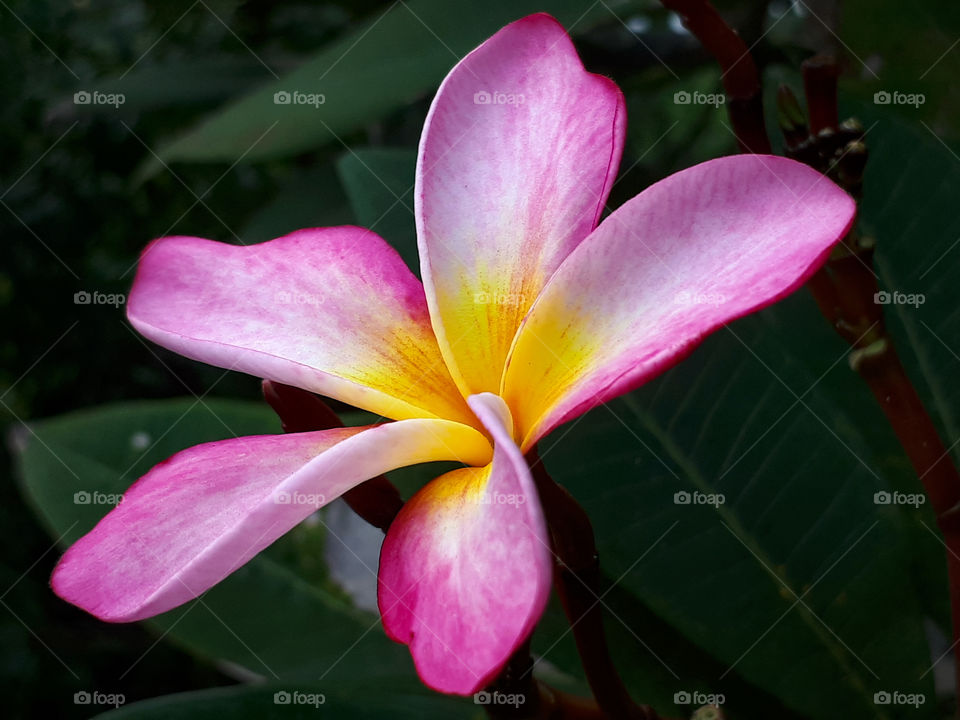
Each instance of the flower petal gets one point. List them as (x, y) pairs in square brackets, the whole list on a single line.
[(194, 519), (692, 252), (332, 310), (465, 569), (508, 187)]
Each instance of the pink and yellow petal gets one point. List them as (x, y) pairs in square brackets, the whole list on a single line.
[(517, 157), (689, 254), (331, 310), (194, 519), (465, 570)]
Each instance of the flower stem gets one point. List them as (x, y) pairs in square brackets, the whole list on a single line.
[(540, 702), (740, 77), (577, 581)]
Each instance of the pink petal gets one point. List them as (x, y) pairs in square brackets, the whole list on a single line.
[(332, 310), (465, 570), (692, 252), (194, 519), (505, 190)]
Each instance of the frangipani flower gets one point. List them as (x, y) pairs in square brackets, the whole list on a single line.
[(529, 315)]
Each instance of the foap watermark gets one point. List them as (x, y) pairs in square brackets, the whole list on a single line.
[(486, 97), (86, 697), (296, 697), (683, 497), (316, 500), (82, 297), (298, 298), (695, 697), (883, 497), (498, 698), (683, 97), (498, 298), (499, 498), (295, 97), (95, 97), (895, 697), (84, 497), (885, 97), (896, 297), (690, 297)]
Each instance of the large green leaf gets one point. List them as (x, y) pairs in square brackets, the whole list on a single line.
[(395, 58), (162, 85), (909, 206), (911, 180), (769, 413), (798, 522)]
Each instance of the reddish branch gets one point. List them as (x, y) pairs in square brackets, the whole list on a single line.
[(845, 287), (820, 87), (577, 581), (740, 77)]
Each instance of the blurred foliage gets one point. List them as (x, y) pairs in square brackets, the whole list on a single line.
[(199, 148)]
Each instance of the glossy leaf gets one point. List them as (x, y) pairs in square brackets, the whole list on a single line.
[(395, 58)]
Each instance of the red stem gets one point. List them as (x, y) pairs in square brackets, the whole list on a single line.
[(820, 87), (740, 77), (577, 581)]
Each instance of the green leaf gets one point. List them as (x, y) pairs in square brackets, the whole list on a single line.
[(654, 659), (909, 207), (264, 617), (907, 52), (798, 521), (379, 183), (396, 58), (911, 180), (309, 198), (184, 82)]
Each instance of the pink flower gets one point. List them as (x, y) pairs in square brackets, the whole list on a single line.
[(529, 315)]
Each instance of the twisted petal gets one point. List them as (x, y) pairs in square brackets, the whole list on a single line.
[(692, 252), (194, 519), (465, 569), (516, 160), (332, 310)]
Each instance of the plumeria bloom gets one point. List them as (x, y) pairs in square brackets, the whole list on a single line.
[(529, 315)]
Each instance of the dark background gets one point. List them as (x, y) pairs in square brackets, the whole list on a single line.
[(82, 192)]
